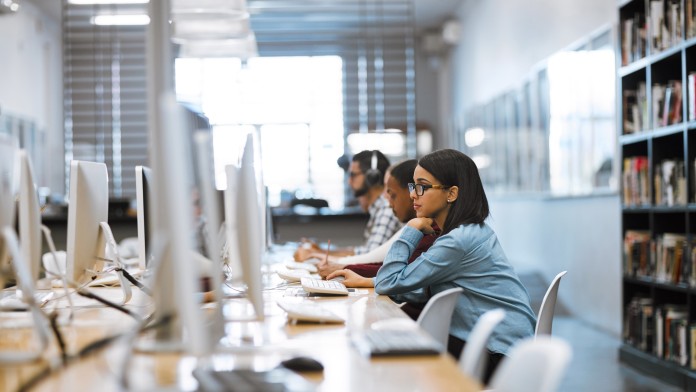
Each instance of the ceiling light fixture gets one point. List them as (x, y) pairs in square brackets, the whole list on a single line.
[(120, 20), (105, 2)]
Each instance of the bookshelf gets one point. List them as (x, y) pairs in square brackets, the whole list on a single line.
[(656, 81)]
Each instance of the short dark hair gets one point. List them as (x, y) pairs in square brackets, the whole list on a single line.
[(403, 171), (452, 167), (364, 159)]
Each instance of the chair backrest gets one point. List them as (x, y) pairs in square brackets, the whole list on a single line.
[(474, 355), (533, 365), (548, 304), (437, 314)]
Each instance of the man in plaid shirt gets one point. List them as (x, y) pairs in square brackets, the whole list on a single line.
[(366, 179)]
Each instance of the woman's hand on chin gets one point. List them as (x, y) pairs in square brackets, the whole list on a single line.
[(424, 225)]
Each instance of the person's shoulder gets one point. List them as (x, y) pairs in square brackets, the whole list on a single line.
[(471, 232)]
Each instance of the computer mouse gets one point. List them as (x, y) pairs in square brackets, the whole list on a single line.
[(303, 364)]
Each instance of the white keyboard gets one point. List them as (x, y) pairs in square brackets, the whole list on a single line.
[(10, 301), (292, 275), (309, 311), (294, 265), (318, 286)]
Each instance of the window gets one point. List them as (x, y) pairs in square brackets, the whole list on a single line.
[(294, 104)]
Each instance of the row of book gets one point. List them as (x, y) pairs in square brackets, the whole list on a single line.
[(661, 28), (663, 258), (670, 187), (666, 106), (661, 329)]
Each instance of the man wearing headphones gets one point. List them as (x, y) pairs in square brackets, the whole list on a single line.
[(366, 179)]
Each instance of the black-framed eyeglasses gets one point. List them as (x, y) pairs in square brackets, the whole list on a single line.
[(421, 188)]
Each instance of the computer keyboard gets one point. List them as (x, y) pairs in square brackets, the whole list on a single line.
[(278, 379), (10, 301), (395, 342), (310, 311), (292, 275), (318, 286)]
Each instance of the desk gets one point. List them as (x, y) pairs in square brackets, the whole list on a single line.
[(248, 344)]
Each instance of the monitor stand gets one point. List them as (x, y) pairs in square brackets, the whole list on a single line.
[(26, 284), (111, 243)]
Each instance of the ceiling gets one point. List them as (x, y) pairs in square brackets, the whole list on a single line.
[(302, 15)]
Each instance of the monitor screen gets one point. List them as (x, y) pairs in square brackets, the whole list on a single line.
[(8, 157), (88, 207), (29, 217), (251, 227), (143, 186)]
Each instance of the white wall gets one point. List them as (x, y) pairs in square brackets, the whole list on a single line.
[(501, 42), (31, 83)]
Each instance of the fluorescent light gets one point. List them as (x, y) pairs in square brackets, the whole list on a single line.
[(94, 2), (120, 20)]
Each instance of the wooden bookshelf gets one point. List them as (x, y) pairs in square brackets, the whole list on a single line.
[(656, 80)]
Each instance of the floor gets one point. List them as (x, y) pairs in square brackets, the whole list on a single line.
[(595, 365)]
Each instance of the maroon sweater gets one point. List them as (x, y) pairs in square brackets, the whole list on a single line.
[(369, 270)]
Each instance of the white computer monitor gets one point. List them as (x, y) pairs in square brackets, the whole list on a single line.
[(175, 279), (250, 231), (8, 166), (143, 187), (8, 174), (29, 217), (88, 207)]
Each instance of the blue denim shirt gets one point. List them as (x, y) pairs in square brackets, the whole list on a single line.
[(469, 257)]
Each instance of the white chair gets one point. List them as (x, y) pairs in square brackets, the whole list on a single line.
[(533, 365), (548, 305), (474, 355), (437, 314)]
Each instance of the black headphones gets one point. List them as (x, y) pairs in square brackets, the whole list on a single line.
[(373, 176)]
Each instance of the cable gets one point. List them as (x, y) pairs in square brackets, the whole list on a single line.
[(53, 318), (135, 282), (106, 302)]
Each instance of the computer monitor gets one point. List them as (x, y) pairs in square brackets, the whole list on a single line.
[(8, 152), (175, 280), (88, 207), (8, 167), (143, 188), (250, 230), (29, 217)]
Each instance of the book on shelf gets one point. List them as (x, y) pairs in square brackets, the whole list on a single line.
[(667, 103), (636, 186), (669, 258), (690, 18), (670, 183), (633, 38), (692, 340), (671, 324), (639, 323), (665, 24), (691, 94), (637, 260), (635, 109)]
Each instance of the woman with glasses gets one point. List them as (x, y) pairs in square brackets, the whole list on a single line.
[(447, 192)]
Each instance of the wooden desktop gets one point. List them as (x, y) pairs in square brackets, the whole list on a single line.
[(247, 344)]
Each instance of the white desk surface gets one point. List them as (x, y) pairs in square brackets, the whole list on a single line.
[(248, 344)]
